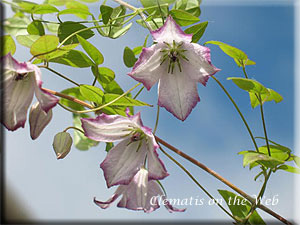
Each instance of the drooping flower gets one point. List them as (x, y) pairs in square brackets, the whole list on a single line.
[(62, 144), (21, 82), (139, 194), (177, 65), (137, 144), (38, 120)]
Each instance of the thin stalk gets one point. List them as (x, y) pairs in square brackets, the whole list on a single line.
[(83, 103), (157, 118), (222, 179), (59, 74), (137, 94), (261, 193), (195, 181), (74, 128), (264, 124), (244, 70), (126, 5), (66, 108), (239, 111)]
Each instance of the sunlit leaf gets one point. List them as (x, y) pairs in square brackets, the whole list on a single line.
[(183, 18), (36, 28), (45, 44), (74, 58), (8, 44), (124, 101), (27, 40), (44, 9), (84, 9), (91, 93), (197, 31)]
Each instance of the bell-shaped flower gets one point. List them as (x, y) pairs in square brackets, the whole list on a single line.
[(177, 65), (139, 194), (136, 145), (20, 82), (38, 120)]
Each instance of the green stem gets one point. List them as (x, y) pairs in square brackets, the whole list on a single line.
[(244, 70), (261, 193), (195, 181), (264, 124), (157, 118), (59, 74), (66, 108), (105, 105), (75, 128), (137, 94), (239, 111)]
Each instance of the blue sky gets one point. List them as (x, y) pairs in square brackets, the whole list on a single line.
[(213, 133)]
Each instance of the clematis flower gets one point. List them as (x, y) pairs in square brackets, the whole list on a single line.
[(139, 194), (21, 82), (177, 65), (136, 144)]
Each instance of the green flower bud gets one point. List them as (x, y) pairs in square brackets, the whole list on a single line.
[(62, 144)]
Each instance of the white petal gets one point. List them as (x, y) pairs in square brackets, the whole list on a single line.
[(177, 93), (147, 69), (107, 203), (107, 128), (170, 31), (123, 161), (199, 66)]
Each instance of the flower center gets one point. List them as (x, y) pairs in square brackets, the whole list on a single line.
[(20, 76), (174, 53), (136, 134)]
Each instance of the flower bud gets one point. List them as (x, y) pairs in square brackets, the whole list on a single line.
[(38, 120), (62, 144)]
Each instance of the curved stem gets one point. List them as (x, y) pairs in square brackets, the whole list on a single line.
[(157, 118), (244, 70), (264, 124), (195, 181), (59, 74), (239, 111), (74, 128), (137, 94), (105, 105), (126, 5), (222, 179)]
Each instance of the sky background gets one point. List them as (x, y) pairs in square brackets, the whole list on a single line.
[(52, 190)]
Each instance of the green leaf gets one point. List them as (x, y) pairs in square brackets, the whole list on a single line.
[(137, 50), (91, 50), (271, 95), (251, 157), (75, 92), (104, 75), (112, 87), (289, 169), (36, 28), (156, 11), (129, 57), (8, 44), (89, 1), (52, 27), (44, 9), (249, 85), (106, 12), (183, 18), (240, 207), (45, 44), (276, 152), (27, 40), (81, 142), (191, 6), (77, 12), (16, 26), (109, 146), (296, 160), (124, 101), (27, 6), (67, 28), (197, 31), (61, 51), (84, 9), (74, 58), (121, 31), (91, 93), (57, 2), (238, 55), (158, 22)]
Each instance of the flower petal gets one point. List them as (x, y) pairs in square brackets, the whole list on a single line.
[(106, 204), (177, 93), (107, 128), (18, 96), (47, 100), (199, 66), (169, 207), (156, 167), (38, 120), (123, 161), (147, 69), (170, 31), (135, 196)]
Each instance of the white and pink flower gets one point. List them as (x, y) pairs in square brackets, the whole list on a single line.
[(177, 65), (20, 82), (137, 144)]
